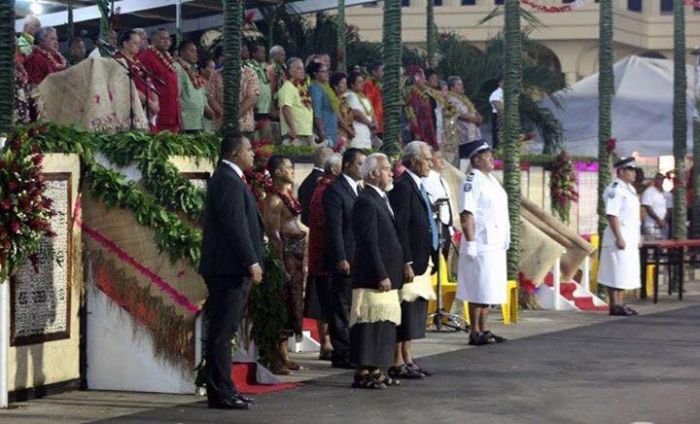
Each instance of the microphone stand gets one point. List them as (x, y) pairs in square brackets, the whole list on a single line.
[(441, 318)]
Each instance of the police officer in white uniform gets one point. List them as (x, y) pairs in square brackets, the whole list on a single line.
[(485, 224), (619, 255)]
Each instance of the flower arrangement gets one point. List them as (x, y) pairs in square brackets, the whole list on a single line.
[(528, 293), (563, 186), (25, 212)]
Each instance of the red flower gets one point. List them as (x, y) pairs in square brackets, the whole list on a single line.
[(15, 227), (12, 186), (37, 159), (6, 204), (612, 142)]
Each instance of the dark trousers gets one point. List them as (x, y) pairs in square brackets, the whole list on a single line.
[(495, 126), (225, 307), (338, 325)]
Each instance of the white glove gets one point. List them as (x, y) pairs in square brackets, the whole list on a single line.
[(471, 249)]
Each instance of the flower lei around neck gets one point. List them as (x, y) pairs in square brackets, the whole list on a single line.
[(303, 89), (364, 101), (166, 59), (332, 97), (56, 60), (192, 72), (259, 70), (290, 202)]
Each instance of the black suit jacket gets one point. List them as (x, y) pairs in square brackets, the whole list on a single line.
[(412, 222), (378, 250), (338, 202), (306, 192), (233, 231)]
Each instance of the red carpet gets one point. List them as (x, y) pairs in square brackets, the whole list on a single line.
[(567, 289), (243, 375)]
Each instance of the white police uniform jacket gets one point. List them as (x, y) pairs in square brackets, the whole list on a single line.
[(484, 279), (619, 268)]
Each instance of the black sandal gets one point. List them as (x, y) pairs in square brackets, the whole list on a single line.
[(425, 371), (379, 376), (404, 372), (494, 338), (368, 381), (480, 340)]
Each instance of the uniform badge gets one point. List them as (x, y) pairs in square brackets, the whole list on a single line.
[(467, 187), (611, 195)]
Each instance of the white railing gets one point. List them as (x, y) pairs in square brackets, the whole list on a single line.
[(556, 283), (4, 342)]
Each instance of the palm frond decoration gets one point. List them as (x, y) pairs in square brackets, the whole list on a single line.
[(606, 91), (392, 101), (233, 25), (680, 121), (7, 65)]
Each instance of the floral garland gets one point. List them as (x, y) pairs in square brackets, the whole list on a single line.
[(563, 186), (303, 89), (694, 3), (135, 66), (25, 213), (332, 97), (20, 71), (364, 101), (259, 70), (166, 59), (192, 72), (56, 60), (291, 202), (555, 9)]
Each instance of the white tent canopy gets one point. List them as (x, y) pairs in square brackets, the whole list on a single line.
[(642, 109)]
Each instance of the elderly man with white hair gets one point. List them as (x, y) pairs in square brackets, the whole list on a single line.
[(45, 59), (25, 41), (418, 233), (376, 278)]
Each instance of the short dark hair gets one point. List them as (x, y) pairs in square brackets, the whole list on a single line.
[(352, 78), (183, 45), (254, 47), (429, 73), (313, 68), (374, 66), (275, 162), (125, 36), (231, 143), (336, 78), (350, 155)]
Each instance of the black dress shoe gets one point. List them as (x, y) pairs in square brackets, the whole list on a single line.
[(230, 403), (620, 311), (244, 398)]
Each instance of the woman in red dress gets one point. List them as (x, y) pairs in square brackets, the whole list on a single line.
[(129, 43)]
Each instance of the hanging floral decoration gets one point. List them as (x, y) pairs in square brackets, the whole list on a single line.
[(563, 186), (612, 143), (694, 3), (555, 9), (25, 213)]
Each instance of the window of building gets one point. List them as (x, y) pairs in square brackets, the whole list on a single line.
[(468, 2), (567, 1), (635, 5), (498, 2), (666, 6), (437, 2), (405, 3), (372, 4)]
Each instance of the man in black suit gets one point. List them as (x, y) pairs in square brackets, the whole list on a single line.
[(377, 271), (338, 201), (232, 257), (419, 237), (308, 186)]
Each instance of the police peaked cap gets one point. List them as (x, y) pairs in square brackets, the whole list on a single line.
[(467, 151), (626, 163)]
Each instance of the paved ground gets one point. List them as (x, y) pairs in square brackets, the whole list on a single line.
[(558, 368)]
